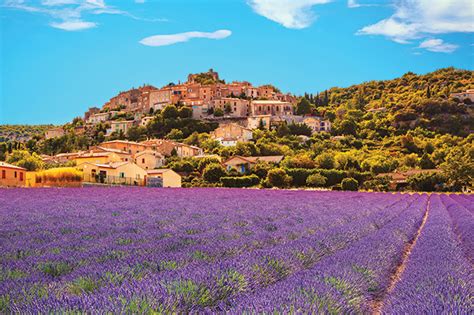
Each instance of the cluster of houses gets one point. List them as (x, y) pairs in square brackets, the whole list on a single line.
[(466, 95), (115, 162), (121, 162), (128, 162), (239, 103)]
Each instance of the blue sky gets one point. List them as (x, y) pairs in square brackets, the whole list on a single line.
[(59, 57)]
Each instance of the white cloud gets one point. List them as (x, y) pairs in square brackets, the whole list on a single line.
[(355, 4), (57, 2), (438, 45), (165, 40), (416, 19), (68, 14), (295, 14), (73, 25)]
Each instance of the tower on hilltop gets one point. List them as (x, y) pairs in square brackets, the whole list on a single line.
[(204, 77)]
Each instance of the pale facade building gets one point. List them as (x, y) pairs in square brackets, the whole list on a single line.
[(270, 107)]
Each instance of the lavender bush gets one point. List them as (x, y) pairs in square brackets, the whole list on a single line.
[(139, 250)]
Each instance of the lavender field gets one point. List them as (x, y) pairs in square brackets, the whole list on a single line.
[(139, 250)]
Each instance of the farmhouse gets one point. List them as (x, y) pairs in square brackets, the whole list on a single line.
[(11, 175), (126, 173), (186, 150), (65, 157), (165, 147), (271, 107), (467, 95), (119, 126), (97, 157), (123, 145), (168, 177), (54, 133), (149, 159), (400, 179), (317, 124), (231, 132)]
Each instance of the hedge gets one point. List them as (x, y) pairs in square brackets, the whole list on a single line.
[(241, 181), (334, 177)]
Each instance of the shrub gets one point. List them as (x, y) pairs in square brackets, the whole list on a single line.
[(205, 161), (59, 175), (326, 161), (213, 172), (23, 158), (378, 184), (316, 180), (350, 184), (277, 177), (333, 176), (426, 182), (243, 181), (300, 175)]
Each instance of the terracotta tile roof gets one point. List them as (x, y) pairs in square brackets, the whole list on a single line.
[(255, 159), (7, 165), (159, 171)]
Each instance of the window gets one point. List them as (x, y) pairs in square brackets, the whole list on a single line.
[(143, 161), (15, 174), (122, 175), (4, 174), (21, 176)]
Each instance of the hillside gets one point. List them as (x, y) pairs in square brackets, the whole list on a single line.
[(404, 103), (21, 132), (411, 126)]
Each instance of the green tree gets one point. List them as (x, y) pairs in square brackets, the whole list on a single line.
[(350, 184), (302, 160), (303, 107), (23, 158), (347, 127), (426, 182), (426, 162), (213, 172), (300, 129), (261, 169), (218, 112), (283, 130), (175, 134), (205, 161), (277, 177), (185, 112), (136, 133), (326, 160), (170, 111), (316, 180), (459, 167)]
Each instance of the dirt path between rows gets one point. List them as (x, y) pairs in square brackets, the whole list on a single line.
[(378, 304)]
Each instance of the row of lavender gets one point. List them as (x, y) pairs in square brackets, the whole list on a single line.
[(439, 277), (141, 250)]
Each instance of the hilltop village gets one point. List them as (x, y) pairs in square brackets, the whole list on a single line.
[(237, 107), (207, 132)]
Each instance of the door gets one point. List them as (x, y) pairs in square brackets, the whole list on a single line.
[(102, 176)]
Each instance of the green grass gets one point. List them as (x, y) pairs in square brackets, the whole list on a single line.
[(83, 285), (55, 269), (11, 274)]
